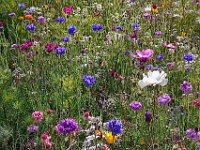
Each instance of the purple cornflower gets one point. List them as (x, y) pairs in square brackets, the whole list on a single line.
[(66, 126), (88, 80), (149, 66), (160, 56), (21, 5), (11, 14), (188, 57), (30, 27), (65, 39), (135, 105), (60, 19), (72, 29), (158, 33), (192, 134), (136, 26), (114, 126), (148, 116), (41, 19), (164, 99), (186, 87), (170, 65), (32, 128), (97, 27), (60, 50), (119, 27)]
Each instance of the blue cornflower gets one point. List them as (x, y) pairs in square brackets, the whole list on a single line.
[(65, 39), (119, 27), (97, 27), (60, 19), (188, 57), (115, 126), (160, 56), (72, 29), (60, 50), (136, 26), (88, 80), (30, 27), (21, 5)]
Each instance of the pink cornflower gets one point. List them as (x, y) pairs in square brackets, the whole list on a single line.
[(67, 9), (38, 116)]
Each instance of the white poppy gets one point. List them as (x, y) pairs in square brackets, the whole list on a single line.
[(153, 78)]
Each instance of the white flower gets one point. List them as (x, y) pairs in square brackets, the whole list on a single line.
[(153, 78)]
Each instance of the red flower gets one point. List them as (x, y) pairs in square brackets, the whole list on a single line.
[(68, 9), (196, 102)]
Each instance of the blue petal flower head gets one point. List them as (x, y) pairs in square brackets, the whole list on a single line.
[(60, 50), (30, 27), (119, 27), (65, 39), (21, 5), (188, 57), (72, 29), (89, 80), (97, 27), (115, 126), (60, 19), (136, 26), (160, 56)]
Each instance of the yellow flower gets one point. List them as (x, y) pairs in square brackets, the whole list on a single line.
[(110, 138), (45, 6), (142, 141), (183, 34), (165, 3), (20, 18), (154, 10)]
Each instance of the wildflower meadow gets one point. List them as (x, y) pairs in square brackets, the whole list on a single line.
[(100, 74)]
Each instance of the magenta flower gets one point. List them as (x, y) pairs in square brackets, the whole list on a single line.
[(50, 47), (143, 55), (38, 116), (68, 9)]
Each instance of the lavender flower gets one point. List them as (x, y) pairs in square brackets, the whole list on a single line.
[(21, 5), (31, 27), (41, 19), (88, 80), (66, 126), (160, 56), (164, 99), (192, 134), (148, 116), (60, 50), (135, 105), (60, 19), (32, 128), (186, 87), (115, 126), (97, 27)]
